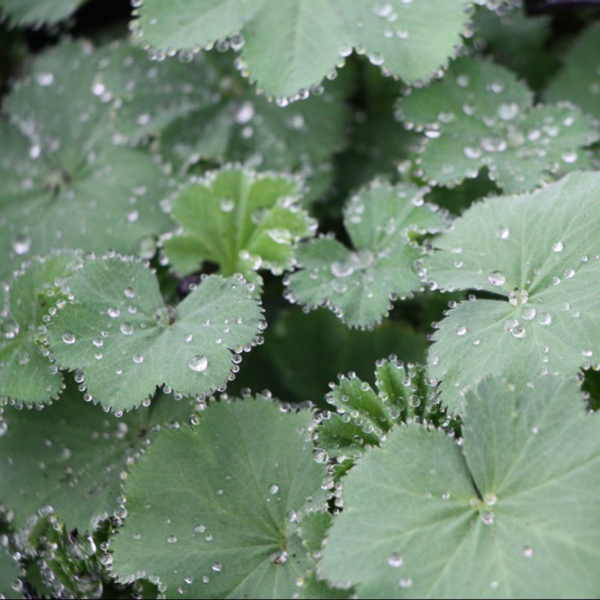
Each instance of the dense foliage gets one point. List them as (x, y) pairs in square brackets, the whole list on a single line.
[(300, 299)]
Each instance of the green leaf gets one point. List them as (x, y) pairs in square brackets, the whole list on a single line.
[(240, 220), (291, 46), (479, 115), (212, 510), (26, 374), (66, 182), (579, 79), (71, 455), (126, 341), (313, 529), (519, 41), (9, 575), (363, 417), (303, 353), (359, 284), (512, 513), (34, 12), (204, 110), (538, 255)]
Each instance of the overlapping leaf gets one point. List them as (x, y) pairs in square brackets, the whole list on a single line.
[(511, 513), (202, 110), (382, 222), (579, 79), (291, 46), (363, 417), (9, 574), (127, 342), (538, 255), (26, 374), (66, 182), (240, 220), (479, 115), (303, 353), (212, 511), (71, 455), (34, 12)]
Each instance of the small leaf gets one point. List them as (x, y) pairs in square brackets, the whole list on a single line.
[(479, 115), (579, 79), (358, 284), (26, 374), (66, 183), (512, 512), (303, 353), (34, 12), (119, 332), (10, 586), (211, 510), (363, 417), (539, 257), (240, 220), (291, 46), (70, 457)]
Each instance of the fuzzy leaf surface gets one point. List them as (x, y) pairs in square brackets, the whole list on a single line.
[(66, 183), (242, 221), (25, 373), (516, 503), (538, 255), (579, 79), (382, 222), (479, 115), (291, 46), (218, 501), (9, 574), (34, 12), (127, 342), (70, 456), (203, 111)]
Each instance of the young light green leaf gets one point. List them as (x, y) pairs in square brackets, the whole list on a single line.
[(289, 47), (26, 375), (34, 12), (363, 417), (539, 255), (71, 455), (479, 115), (579, 79), (512, 512), (240, 220), (126, 341), (66, 182), (10, 587), (303, 353), (212, 510), (382, 222)]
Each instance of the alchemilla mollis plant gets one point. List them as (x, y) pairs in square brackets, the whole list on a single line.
[(299, 299)]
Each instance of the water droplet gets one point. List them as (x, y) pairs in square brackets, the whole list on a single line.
[(544, 319), (497, 279), (503, 233), (126, 329), (396, 560), (217, 567), (69, 339), (462, 330), (172, 539), (21, 245), (558, 247), (138, 359), (405, 583), (199, 364), (274, 489), (528, 552), (114, 313)]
